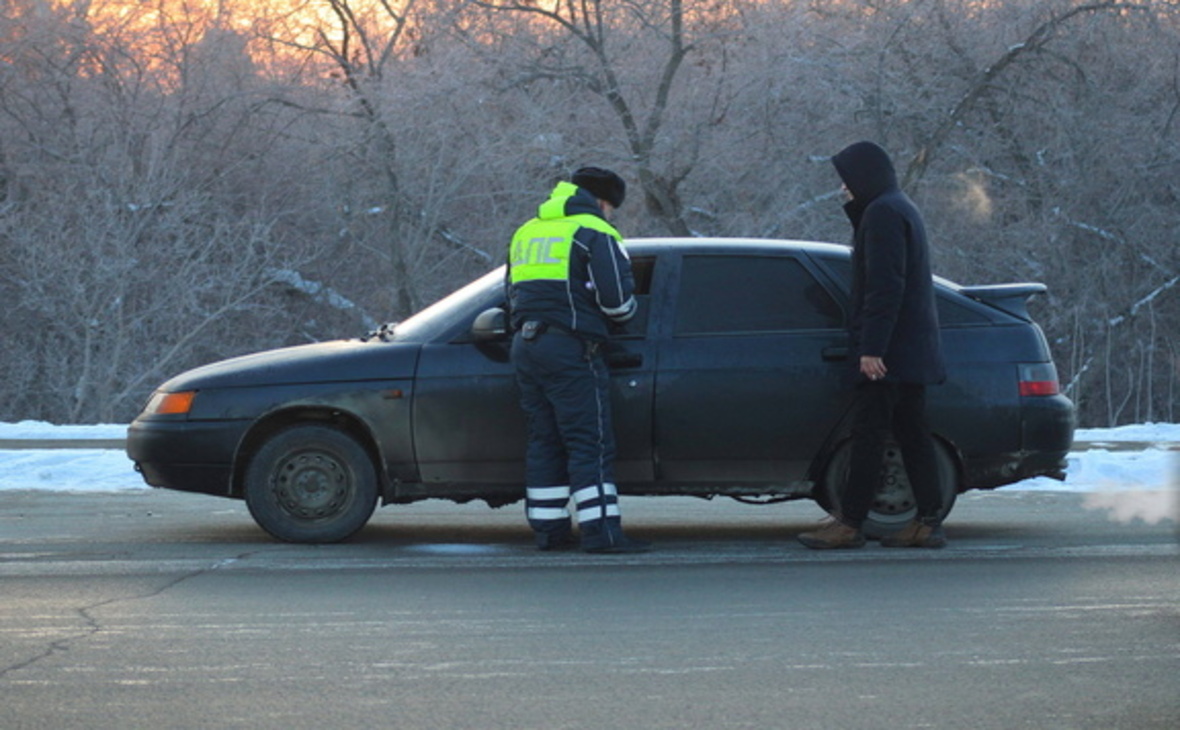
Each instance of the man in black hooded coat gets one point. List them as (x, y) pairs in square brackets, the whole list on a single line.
[(895, 348)]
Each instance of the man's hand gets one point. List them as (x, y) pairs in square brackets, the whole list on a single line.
[(871, 367)]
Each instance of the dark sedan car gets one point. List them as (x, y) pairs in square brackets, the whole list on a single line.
[(730, 382)]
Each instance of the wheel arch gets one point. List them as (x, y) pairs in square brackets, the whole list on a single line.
[(957, 459), (274, 422)]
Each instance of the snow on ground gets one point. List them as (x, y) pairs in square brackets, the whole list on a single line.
[(43, 430), (1132, 483)]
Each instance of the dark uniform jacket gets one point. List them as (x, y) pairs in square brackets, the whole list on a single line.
[(585, 283), (893, 307)]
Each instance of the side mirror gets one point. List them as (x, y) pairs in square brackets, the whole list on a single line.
[(490, 325)]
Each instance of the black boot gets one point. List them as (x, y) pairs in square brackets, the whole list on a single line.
[(556, 540), (606, 536), (553, 534)]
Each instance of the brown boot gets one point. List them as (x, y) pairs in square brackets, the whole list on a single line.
[(916, 534), (834, 534)]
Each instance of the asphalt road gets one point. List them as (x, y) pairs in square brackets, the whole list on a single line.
[(163, 610)]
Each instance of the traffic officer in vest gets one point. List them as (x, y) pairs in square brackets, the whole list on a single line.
[(568, 281)]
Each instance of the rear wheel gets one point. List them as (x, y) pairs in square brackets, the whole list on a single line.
[(311, 484), (893, 505)]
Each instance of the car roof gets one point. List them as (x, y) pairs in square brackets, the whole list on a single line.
[(746, 246), (652, 246)]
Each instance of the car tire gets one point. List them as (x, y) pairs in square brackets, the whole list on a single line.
[(893, 506), (311, 484)]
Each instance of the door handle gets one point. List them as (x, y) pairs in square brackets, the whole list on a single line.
[(621, 360)]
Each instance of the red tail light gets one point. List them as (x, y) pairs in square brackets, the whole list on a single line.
[(1038, 379), (1039, 387)]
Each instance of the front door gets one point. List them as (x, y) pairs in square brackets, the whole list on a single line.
[(468, 425)]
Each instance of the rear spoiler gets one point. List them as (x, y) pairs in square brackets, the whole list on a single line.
[(1012, 298)]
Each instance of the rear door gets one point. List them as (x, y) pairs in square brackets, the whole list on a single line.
[(750, 371), (978, 408)]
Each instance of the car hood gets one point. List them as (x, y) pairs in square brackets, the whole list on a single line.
[(323, 362)]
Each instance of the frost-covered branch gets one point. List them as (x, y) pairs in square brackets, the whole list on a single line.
[(320, 293), (1134, 310)]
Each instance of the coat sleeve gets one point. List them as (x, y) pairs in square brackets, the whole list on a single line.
[(885, 278), (610, 275)]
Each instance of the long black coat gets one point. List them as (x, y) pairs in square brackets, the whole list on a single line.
[(893, 309)]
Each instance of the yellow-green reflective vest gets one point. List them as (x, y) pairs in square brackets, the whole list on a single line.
[(541, 248)]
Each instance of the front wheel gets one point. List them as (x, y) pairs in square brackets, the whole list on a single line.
[(311, 484), (893, 505)]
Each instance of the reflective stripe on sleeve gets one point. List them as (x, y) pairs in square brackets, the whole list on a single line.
[(626, 309)]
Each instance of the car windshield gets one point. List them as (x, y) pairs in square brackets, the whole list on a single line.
[(454, 310)]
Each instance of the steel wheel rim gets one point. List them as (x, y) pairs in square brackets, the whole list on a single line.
[(895, 497), (312, 485)]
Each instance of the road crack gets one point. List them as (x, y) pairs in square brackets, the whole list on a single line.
[(93, 626)]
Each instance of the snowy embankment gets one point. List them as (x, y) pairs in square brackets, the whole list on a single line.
[(1133, 471)]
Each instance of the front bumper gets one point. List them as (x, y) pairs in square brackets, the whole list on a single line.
[(189, 456)]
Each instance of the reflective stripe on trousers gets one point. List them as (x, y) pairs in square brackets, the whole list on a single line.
[(549, 504), (565, 394)]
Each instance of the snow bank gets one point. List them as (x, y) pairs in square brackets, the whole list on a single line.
[(42, 430)]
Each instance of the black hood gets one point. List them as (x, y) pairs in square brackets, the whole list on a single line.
[(339, 361), (866, 170)]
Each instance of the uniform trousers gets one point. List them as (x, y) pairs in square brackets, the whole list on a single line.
[(565, 394)]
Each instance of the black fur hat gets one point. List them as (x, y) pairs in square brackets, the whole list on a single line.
[(602, 183)]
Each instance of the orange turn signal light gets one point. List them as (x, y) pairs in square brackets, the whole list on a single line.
[(172, 404)]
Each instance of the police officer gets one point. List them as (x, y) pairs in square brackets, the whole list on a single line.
[(568, 281)]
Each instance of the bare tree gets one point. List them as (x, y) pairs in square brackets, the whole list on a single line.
[(368, 48), (633, 57), (173, 191), (1048, 162), (129, 252)]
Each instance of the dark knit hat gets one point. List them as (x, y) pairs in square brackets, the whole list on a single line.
[(602, 184)]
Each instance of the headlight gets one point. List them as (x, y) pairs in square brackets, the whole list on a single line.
[(170, 404)]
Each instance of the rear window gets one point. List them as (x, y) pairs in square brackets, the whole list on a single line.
[(953, 311)]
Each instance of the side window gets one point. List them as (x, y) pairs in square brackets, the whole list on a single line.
[(746, 294), (642, 268)]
